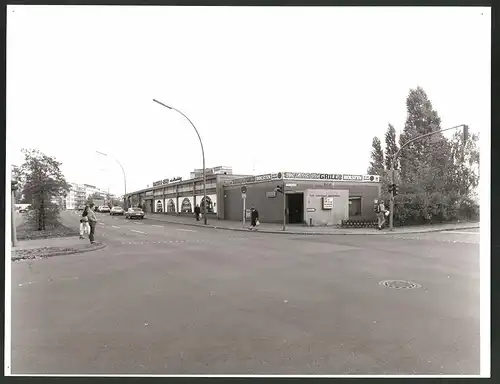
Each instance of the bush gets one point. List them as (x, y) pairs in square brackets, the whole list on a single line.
[(421, 207)]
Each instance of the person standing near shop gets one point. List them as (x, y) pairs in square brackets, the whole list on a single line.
[(92, 222), (254, 218)]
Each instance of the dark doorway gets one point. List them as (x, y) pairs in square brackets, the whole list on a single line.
[(295, 207)]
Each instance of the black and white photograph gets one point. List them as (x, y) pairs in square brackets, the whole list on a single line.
[(266, 191)]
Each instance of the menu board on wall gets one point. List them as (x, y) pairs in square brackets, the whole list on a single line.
[(327, 202)]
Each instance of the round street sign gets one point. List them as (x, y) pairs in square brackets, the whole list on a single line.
[(243, 189)]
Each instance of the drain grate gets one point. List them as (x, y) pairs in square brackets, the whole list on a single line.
[(399, 284)]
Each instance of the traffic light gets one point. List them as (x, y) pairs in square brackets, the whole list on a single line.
[(279, 189), (13, 185), (396, 189), (391, 188)]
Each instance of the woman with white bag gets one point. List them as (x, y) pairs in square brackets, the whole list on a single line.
[(84, 222), (254, 218)]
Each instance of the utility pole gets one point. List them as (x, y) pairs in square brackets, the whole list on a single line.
[(393, 160)]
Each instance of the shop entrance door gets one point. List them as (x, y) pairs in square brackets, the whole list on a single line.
[(295, 207)]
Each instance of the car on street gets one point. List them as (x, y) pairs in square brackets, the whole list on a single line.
[(103, 209), (137, 213), (81, 207), (117, 211)]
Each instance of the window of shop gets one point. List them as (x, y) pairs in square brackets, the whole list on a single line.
[(170, 206), (354, 206), (186, 206), (210, 205), (159, 206)]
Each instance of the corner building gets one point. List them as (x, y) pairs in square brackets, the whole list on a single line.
[(311, 198)]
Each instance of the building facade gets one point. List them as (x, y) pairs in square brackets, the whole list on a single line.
[(79, 193), (310, 198), (177, 196)]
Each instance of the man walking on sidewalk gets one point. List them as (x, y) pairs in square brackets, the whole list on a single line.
[(380, 210), (92, 222), (197, 212)]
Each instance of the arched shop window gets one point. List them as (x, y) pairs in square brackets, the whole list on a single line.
[(159, 206), (210, 205), (186, 206), (170, 206)]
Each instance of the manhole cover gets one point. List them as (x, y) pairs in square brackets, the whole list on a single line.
[(399, 284)]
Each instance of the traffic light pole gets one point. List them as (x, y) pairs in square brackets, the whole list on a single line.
[(393, 160), (284, 206)]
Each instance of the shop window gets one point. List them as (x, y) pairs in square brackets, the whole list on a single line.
[(186, 206), (210, 205), (159, 206), (171, 206), (355, 206)]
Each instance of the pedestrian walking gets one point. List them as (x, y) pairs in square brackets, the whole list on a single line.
[(254, 218), (92, 222), (84, 223), (197, 212), (381, 214)]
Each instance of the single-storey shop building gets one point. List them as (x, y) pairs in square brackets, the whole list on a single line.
[(310, 198)]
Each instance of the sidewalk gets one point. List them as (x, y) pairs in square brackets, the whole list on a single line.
[(34, 249), (298, 229)]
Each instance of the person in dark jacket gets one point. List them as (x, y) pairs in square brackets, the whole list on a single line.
[(254, 218), (197, 212), (92, 222)]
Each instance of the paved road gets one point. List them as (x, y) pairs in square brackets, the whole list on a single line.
[(167, 299)]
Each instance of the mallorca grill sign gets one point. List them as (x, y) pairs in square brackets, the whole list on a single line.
[(166, 181), (305, 176)]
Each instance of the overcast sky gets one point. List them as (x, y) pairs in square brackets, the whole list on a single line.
[(269, 88)]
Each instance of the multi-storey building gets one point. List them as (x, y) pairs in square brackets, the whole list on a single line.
[(79, 193)]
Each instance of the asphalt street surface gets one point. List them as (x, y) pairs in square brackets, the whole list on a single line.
[(173, 299)]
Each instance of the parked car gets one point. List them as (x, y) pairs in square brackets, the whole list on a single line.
[(103, 209), (81, 207), (117, 211), (134, 213)]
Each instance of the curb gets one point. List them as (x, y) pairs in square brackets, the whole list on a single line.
[(61, 253), (374, 233)]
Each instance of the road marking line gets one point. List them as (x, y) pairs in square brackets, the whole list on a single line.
[(114, 226), (161, 226), (101, 223), (133, 230), (462, 233), (138, 223), (186, 230)]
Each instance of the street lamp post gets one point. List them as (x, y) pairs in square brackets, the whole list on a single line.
[(393, 160), (202, 153), (124, 179), (13, 188)]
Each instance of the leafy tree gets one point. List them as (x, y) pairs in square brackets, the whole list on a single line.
[(391, 147), (377, 158), (42, 180), (18, 194), (428, 153), (437, 176)]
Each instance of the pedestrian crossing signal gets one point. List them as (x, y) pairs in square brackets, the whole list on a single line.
[(279, 189), (391, 188)]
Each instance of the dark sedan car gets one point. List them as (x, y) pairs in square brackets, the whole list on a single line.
[(136, 213)]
